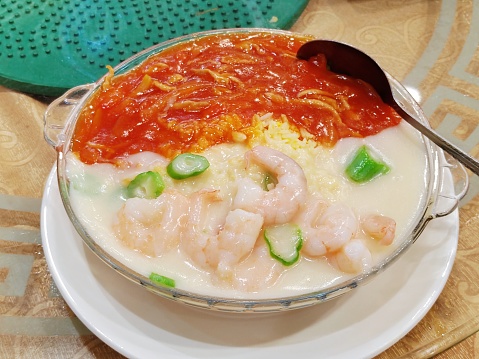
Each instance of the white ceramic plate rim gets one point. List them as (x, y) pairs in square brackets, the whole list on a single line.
[(139, 324)]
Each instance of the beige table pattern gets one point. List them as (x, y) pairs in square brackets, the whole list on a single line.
[(430, 45)]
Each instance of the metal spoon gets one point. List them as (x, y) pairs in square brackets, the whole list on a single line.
[(347, 60)]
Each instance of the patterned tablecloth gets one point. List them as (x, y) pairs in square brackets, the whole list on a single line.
[(430, 45)]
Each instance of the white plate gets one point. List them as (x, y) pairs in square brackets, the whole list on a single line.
[(139, 324)]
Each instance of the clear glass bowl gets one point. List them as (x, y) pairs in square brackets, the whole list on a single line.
[(60, 120)]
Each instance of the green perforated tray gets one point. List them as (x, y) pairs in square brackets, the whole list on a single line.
[(49, 46)]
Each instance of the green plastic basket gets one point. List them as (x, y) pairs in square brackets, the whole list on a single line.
[(49, 46)]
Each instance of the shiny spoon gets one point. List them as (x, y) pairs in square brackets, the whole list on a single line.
[(347, 60)]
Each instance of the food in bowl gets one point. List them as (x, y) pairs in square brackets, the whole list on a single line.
[(225, 166)]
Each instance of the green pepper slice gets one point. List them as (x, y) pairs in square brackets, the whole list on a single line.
[(268, 180), (284, 242), (187, 165), (162, 280), (364, 167), (146, 185)]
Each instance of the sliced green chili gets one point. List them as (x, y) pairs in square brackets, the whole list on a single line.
[(187, 165), (364, 167), (146, 185), (268, 180), (162, 280), (284, 242)]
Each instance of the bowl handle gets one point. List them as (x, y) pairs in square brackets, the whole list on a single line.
[(58, 112), (449, 198)]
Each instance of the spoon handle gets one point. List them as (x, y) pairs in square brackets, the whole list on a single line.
[(440, 141)]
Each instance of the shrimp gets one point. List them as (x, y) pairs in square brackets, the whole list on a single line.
[(380, 227), (325, 229), (218, 240), (258, 271), (353, 257), (202, 225), (152, 226), (281, 203)]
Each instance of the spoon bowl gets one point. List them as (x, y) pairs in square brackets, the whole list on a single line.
[(347, 60)]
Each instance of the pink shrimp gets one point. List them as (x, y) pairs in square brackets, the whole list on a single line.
[(379, 227), (152, 226), (281, 203), (216, 238), (353, 257), (325, 228), (258, 271)]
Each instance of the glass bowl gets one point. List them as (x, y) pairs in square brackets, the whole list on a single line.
[(60, 120)]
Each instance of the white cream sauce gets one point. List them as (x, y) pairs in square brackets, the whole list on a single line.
[(97, 195)]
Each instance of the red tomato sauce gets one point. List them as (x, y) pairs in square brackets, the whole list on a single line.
[(198, 94)]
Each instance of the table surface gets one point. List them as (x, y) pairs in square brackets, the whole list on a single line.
[(430, 45)]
